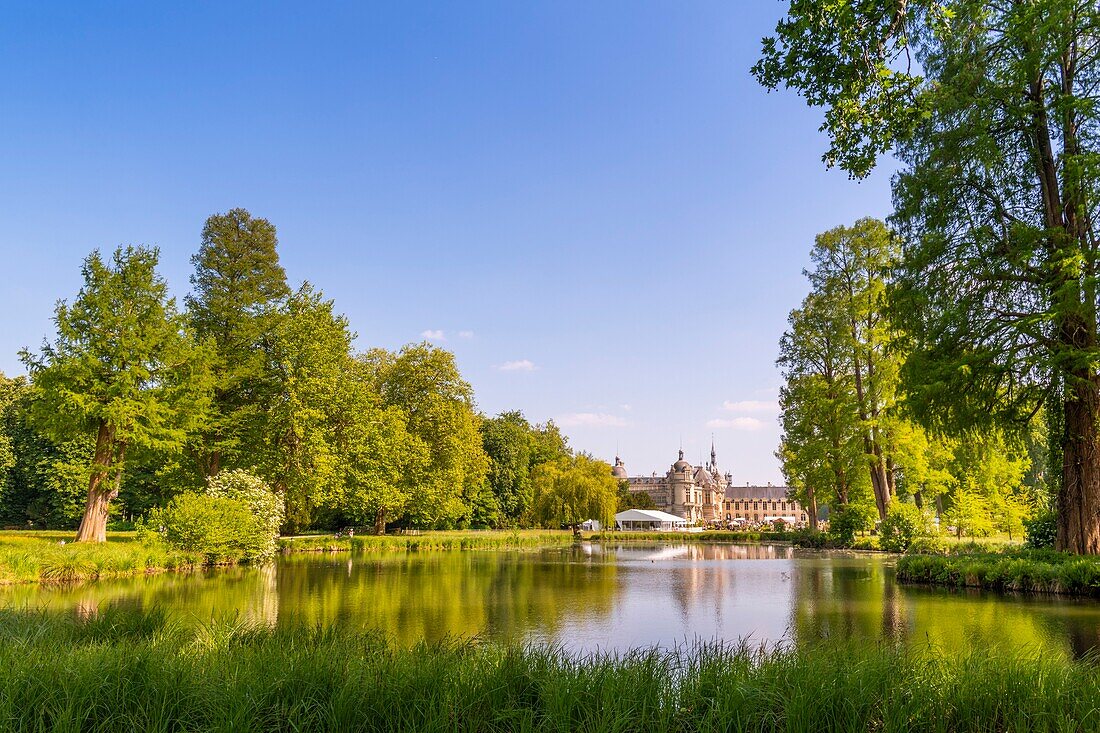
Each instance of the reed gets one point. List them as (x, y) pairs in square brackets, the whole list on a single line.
[(1031, 571), (125, 671)]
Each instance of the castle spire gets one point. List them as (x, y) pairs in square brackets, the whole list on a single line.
[(713, 455)]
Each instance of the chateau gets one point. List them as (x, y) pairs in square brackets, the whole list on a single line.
[(704, 495), (694, 493)]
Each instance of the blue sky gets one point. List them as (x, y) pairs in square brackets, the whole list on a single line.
[(592, 204)]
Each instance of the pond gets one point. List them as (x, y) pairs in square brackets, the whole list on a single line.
[(591, 597)]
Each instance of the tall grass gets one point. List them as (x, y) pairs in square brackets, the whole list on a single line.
[(1032, 571), (120, 671), (26, 559)]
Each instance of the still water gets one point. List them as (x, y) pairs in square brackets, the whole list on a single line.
[(600, 597)]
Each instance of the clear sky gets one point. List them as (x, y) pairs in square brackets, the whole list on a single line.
[(592, 204)]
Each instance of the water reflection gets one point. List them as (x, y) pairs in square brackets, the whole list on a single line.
[(600, 596)]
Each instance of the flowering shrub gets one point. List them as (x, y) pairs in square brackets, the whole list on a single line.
[(236, 519)]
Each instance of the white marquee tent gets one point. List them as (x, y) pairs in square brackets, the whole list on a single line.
[(633, 520)]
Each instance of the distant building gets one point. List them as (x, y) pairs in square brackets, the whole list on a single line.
[(762, 504), (695, 494)]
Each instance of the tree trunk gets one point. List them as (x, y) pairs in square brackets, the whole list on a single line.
[(93, 525), (1079, 498), (380, 522), (811, 506)]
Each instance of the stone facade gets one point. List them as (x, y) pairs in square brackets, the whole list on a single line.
[(759, 504), (695, 493)]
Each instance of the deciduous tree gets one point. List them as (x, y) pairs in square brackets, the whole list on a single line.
[(992, 110), (123, 370)]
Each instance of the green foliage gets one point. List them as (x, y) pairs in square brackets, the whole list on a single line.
[(845, 521), (903, 524), (431, 540), (968, 514), (1050, 572), (929, 546), (220, 529), (998, 307), (841, 370), (1041, 531), (122, 368), (239, 292), (26, 558), (266, 506), (164, 676), (122, 357), (628, 499), (424, 383), (514, 447), (571, 490)]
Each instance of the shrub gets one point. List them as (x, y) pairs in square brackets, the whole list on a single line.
[(265, 504), (1041, 530), (810, 538), (844, 522), (903, 523), (221, 529), (928, 546), (865, 543)]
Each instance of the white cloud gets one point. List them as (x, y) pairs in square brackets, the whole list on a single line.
[(465, 334), (737, 423), (590, 420), (624, 408), (751, 406), (433, 335), (520, 365)]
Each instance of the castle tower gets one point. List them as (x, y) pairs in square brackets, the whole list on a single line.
[(619, 470), (681, 479)]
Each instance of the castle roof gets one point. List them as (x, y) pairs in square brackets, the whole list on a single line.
[(769, 493)]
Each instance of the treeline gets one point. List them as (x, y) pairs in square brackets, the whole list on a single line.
[(136, 400), (851, 439)]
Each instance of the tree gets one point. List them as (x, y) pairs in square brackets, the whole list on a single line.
[(571, 491), (10, 392), (382, 463), (299, 456), (628, 499), (424, 383), (45, 483), (850, 270), (841, 367), (997, 134), (123, 370), (820, 451), (239, 290), (507, 441)]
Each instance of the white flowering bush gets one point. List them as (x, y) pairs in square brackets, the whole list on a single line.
[(235, 519), (266, 504)]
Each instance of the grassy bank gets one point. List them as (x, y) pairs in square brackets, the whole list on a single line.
[(117, 671), (475, 540), (1032, 571), (29, 557), (704, 536)]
